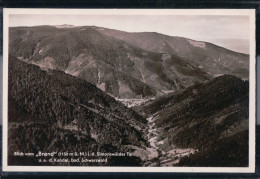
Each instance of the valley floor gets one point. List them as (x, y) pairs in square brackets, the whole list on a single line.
[(157, 155), (134, 102)]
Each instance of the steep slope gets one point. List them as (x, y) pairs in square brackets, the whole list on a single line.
[(51, 111), (210, 118), (113, 65), (210, 58)]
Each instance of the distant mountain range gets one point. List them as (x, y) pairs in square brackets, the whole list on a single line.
[(125, 65)]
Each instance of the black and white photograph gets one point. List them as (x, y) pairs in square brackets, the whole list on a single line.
[(129, 90)]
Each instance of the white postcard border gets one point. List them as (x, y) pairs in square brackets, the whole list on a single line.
[(252, 89)]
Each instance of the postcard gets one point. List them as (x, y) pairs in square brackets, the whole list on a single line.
[(129, 90)]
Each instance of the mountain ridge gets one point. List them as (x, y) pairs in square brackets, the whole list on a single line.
[(101, 59), (113, 29), (85, 51), (184, 47), (158, 33)]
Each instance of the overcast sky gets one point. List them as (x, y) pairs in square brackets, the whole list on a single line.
[(228, 31)]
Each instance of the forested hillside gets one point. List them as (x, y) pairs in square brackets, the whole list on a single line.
[(52, 111), (211, 117)]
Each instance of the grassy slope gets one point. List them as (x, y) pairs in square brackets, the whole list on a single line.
[(98, 58)]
